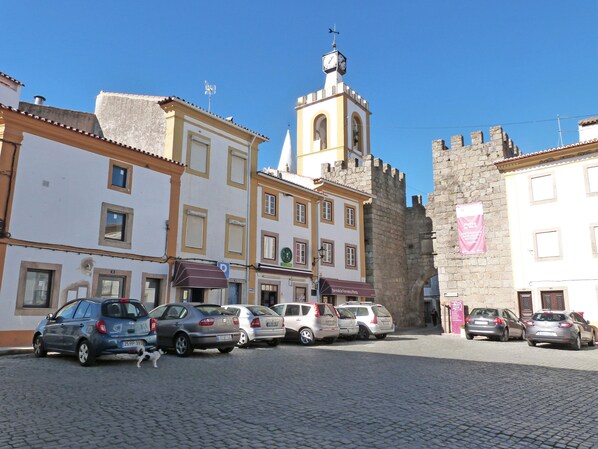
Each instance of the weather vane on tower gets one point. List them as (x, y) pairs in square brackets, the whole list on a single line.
[(333, 31)]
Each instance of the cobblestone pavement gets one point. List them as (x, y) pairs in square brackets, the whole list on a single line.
[(408, 391)]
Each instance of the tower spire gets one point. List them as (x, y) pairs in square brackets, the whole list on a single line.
[(334, 33)]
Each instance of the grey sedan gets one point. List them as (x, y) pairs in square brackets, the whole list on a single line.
[(494, 323), (565, 327), (189, 326), (258, 323)]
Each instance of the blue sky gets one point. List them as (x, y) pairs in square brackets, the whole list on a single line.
[(430, 70)]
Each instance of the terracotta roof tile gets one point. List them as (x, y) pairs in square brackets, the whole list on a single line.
[(11, 78)]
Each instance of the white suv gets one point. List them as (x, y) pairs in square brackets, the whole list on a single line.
[(373, 319), (309, 321)]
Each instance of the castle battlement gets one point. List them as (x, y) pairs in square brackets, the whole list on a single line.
[(331, 91), (375, 166), (497, 136)]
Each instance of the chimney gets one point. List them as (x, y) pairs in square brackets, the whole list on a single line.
[(39, 100), (588, 129)]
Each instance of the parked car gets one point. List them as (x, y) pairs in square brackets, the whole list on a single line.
[(373, 319), (494, 323), (309, 321), (188, 326), (566, 327), (347, 324), (90, 327), (257, 323)]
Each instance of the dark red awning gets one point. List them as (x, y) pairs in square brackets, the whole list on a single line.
[(346, 288), (198, 275)]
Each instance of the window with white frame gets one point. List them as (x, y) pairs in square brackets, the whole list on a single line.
[(592, 180), (235, 236), (269, 204), (237, 168), (542, 188), (269, 247), (328, 253), (194, 225), (547, 244), (350, 256), (349, 216), (300, 253), (198, 152), (327, 210), (300, 213)]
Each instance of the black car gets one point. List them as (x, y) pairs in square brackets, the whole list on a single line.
[(90, 327), (494, 323)]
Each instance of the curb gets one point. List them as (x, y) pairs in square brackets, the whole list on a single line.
[(15, 351)]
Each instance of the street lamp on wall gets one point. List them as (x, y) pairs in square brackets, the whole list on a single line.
[(321, 254)]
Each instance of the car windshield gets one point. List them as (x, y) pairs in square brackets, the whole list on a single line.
[(211, 309), (261, 311), (380, 311), (484, 313), (126, 309), (549, 317)]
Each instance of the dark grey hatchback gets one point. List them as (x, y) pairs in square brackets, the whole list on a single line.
[(90, 327), (494, 323)]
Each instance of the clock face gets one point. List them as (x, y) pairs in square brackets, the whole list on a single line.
[(329, 61), (286, 255)]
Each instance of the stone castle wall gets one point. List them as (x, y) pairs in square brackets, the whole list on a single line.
[(463, 175), (387, 223)]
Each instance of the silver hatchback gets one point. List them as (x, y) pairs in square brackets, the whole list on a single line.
[(564, 327), (373, 319), (257, 323), (309, 321)]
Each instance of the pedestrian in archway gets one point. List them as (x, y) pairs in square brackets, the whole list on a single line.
[(434, 316)]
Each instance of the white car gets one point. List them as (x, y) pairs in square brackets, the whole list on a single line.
[(257, 323), (309, 321), (347, 324), (373, 319)]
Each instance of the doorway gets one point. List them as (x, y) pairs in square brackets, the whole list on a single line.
[(269, 295), (526, 307)]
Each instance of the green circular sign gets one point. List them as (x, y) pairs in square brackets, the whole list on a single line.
[(286, 255)]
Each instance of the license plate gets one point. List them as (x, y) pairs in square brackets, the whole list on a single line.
[(224, 337), (551, 334), (132, 344), (480, 322), (270, 324)]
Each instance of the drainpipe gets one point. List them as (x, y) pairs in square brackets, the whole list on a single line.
[(3, 232), (248, 222)]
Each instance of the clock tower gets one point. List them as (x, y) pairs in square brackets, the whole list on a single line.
[(333, 123)]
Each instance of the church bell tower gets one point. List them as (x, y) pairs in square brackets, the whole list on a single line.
[(333, 123)]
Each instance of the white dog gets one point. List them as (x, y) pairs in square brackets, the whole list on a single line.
[(144, 354)]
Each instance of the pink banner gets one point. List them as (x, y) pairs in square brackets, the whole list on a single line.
[(470, 227), (457, 316)]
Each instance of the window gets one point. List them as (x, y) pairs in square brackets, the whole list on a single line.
[(84, 310), (300, 214), (37, 286), (547, 244), (594, 238), (592, 180), (269, 209), (542, 188), (350, 257), (116, 228), (108, 283), (300, 294), (553, 300), (237, 168), (349, 217), (300, 252), (120, 176), (235, 237), (327, 211), (198, 155), (194, 229), (320, 131), (356, 133), (269, 247), (328, 258)]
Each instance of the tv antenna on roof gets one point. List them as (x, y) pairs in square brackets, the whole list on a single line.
[(210, 90)]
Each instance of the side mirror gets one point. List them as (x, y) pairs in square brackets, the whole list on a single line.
[(50, 316)]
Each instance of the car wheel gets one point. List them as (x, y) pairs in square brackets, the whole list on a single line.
[(182, 345), (364, 333), (576, 344), (243, 340), (226, 350), (306, 337), (592, 341), (273, 342), (468, 336), (531, 342), (505, 335), (39, 350), (85, 354), (380, 336)]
